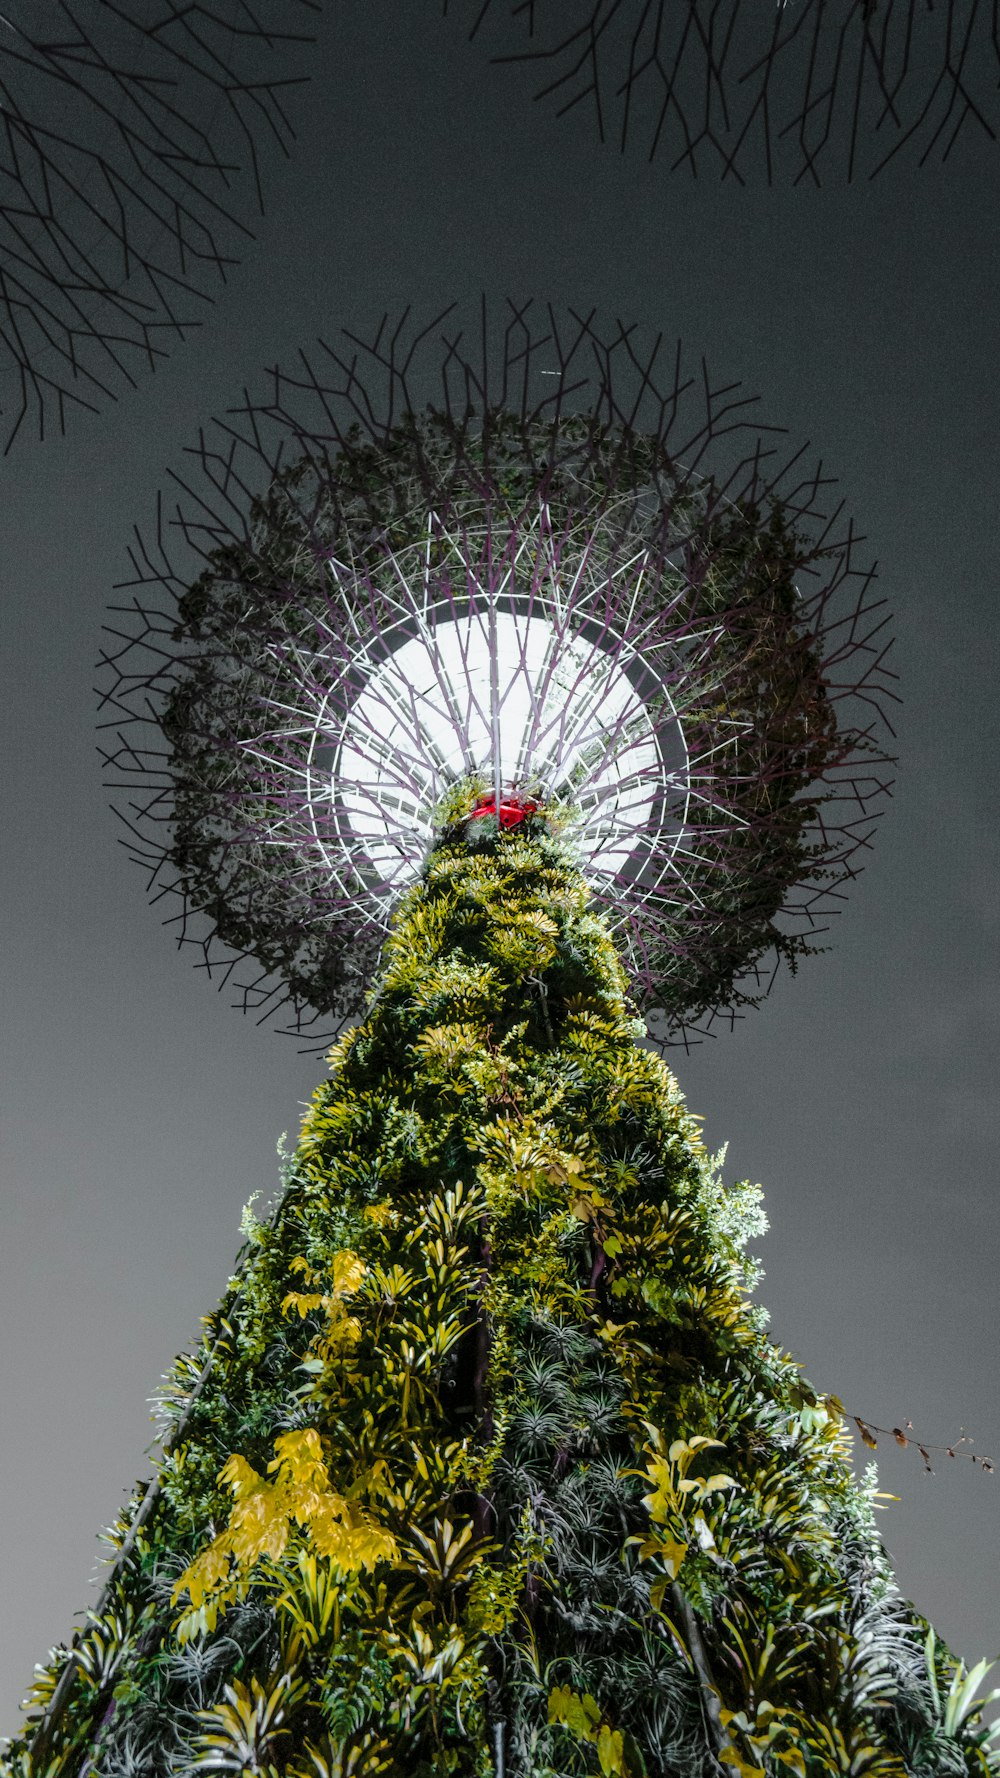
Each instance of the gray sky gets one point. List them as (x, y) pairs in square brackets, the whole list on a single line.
[(140, 1112)]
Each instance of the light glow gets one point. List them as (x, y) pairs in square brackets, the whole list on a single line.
[(504, 696)]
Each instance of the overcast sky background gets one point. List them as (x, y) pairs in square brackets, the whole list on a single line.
[(140, 1112)]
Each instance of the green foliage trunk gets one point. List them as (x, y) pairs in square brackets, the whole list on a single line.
[(494, 1464)]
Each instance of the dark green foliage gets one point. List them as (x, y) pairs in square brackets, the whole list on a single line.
[(493, 1443)]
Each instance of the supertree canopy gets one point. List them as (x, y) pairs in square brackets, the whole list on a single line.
[(485, 1463), (585, 587), (781, 89), (129, 174)]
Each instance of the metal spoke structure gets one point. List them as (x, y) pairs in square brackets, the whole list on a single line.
[(783, 89), (519, 554), (131, 140), (511, 671)]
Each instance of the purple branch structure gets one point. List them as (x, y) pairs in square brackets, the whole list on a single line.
[(130, 148), (795, 90), (516, 561)]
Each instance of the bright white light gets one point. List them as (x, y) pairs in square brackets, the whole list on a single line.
[(510, 696)]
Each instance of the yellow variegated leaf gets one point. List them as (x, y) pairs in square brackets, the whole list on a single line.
[(671, 1553), (304, 1302), (730, 1756), (348, 1271), (298, 1463), (239, 1475), (610, 1751), (580, 1715), (258, 1527), (205, 1573), (341, 1333)]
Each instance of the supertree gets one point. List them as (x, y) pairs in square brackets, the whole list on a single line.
[(130, 157), (489, 683), (784, 89)]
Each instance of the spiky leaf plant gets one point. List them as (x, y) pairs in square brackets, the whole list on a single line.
[(494, 1467)]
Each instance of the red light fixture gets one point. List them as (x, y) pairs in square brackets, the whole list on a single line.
[(512, 811)]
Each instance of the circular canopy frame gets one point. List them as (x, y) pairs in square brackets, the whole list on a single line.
[(498, 558)]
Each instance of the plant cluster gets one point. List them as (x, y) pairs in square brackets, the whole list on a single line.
[(496, 1468)]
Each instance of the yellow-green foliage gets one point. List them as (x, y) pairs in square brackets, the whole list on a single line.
[(492, 1434), (583, 1718)]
